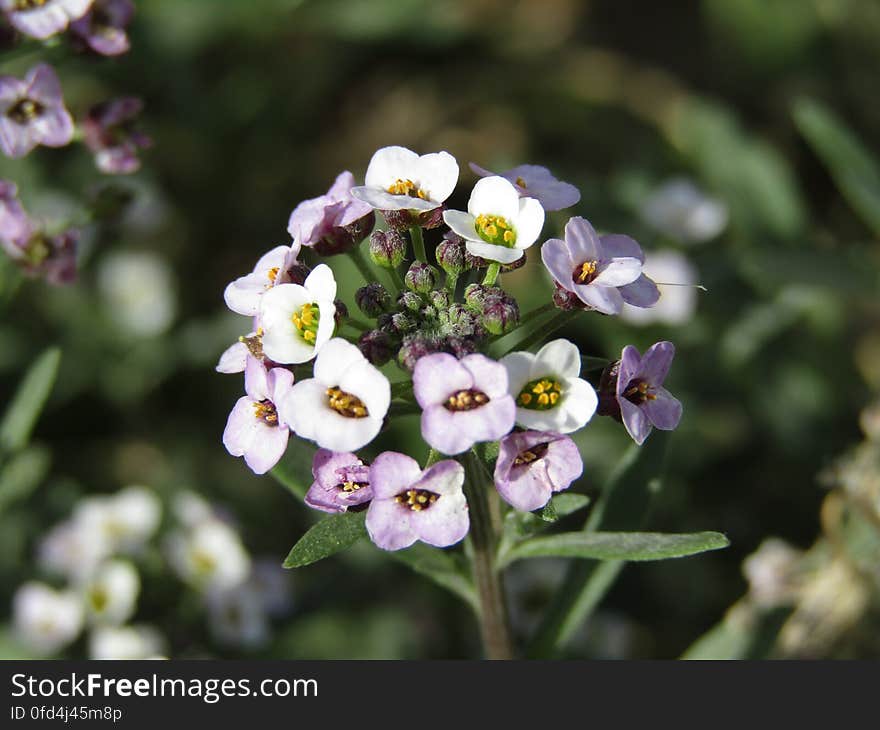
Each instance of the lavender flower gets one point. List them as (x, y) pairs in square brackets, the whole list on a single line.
[(243, 296), (110, 134), (642, 399), (43, 18), (255, 428), (603, 271), (342, 482), (463, 401), (537, 182), (532, 465), (334, 222), (103, 28), (32, 112), (410, 504)]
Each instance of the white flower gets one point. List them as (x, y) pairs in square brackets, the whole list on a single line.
[(399, 179), (45, 619), (677, 304), (234, 358), (126, 642), (138, 292), (342, 407), (680, 209), (190, 509), (73, 549), (298, 320), (111, 594), (237, 618), (127, 520), (499, 225), (210, 556), (549, 394), (243, 295)]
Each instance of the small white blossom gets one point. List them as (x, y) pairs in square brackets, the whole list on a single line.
[(680, 209), (238, 618), (243, 295), (138, 292), (46, 620), (210, 556), (111, 593), (126, 642), (678, 298)]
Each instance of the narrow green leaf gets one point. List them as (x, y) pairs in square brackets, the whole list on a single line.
[(593, 363), (520, 525), (329, 536), (548, 513), (22, 413), (294, 471), (568, 503), (22, 474), (445, 568), (618, 545)]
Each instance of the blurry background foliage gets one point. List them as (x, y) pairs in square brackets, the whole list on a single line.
[(771, 106)]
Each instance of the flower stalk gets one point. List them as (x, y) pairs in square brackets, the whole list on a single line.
[(418, 242)]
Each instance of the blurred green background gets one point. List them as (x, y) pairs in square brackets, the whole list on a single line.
[(255, 106)]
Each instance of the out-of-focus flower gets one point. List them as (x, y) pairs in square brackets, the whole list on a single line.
[(139, 641), (298, 320), (410, 504), (343, 406), (238, 618), (463, 401), (255, 429), (32, 112), (678, 299), (332, 223), (532, 465), (603, 271), (209, 555), (399, 179), (127, 520), (73, 549), (190, 509), (549, 394), (46, 620), (103, 28), (680, 209), (15, 225), (43, 18), (109, 132), (243, 296), (342, 481), (499, 225), (770, 571), (138, 291), (111, 593), (537, 182)]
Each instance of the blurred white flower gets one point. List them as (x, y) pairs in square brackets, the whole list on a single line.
[(209, 555), (126, 642), (126, 520), (46, 620), (189, 508), (271, 583), (238, 617), (111, 594), (677, 304), (770, 572), (72, 549), (138, 291), (680, 209)]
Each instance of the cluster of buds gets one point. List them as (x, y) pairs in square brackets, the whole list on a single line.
[(316, 375)]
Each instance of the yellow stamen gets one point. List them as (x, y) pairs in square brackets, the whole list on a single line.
[(346, 404), (495, 229), (407, 187)]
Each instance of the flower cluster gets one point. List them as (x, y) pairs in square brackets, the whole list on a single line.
[(435, 345)]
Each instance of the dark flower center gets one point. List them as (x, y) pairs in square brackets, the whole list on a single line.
[(24, 111), (265, 412), (466, 400), (531, 455), (351, 486), (586, 272), (21, 5), (417, 499), (638, 391), (346, 404), (540, 395)]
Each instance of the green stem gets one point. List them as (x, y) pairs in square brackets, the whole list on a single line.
[(560, 319), (397, 279), (494, 627), (543, 309), (451, 281), (357, 325), (492, 274), (363, 266), (418, 243), (433, 457)]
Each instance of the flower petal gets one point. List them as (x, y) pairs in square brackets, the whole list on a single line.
[(664, 411), (557, 258), (643, 292), (388, 525), (392, 473), (616, 245), (493, 252), (489, 376), (635, 421), (494, 196), (437, 175), (558, 357), (618, 272), (461, 223), (656, 362), (438, 376), (529, 222), (582, 241)]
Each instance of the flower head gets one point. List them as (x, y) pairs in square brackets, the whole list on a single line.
[(399, 179), (532, 465), (680, 209), (463, 401), (678, 298), (410, 504), (103, 28), (549, 394), (298, 320), (640, 394), (111, 593), (498, 225), (43, 18), (209, 555), (603, 271), (32, 112), (139, 641), (537, 182), (110, 133), (45, 619), (343, 406), (334, 222), (243, 296), (342, 481)]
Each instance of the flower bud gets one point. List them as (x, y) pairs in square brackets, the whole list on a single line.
[(372, 299), (452, 255), (439, 299), (514, 265), (411, 301), (566, 300), (344, 238), (421, 277), (460, 346), (475, 295), (500, 313), (458, 320), (387, 248), (401, 324), (416, 346), (341, 311), (376, 346)]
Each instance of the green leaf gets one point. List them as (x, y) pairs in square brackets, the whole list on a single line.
[(23, 473), (22, 413), (445, 568), (519, 525), (617, 545), (329, 536), (569, 502), (294, 471), (854, 169)]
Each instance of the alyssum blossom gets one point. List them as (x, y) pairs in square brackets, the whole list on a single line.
[(410, 504), (45, 619), (535, 181), (111, 593), (32, 112), (499, 225), (244, 295), (43, 18), (103, 28), (342, 408), (109, 132), (602, 271), (549, 394), (342, 482)]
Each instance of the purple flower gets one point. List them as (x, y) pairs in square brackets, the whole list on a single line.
[(43, 18), (32, 112), (342, 481), (15, 225), (642, 399), (334, 222), (537, 182), (463, 401), (410, 504), (254, 429), (110, 134), (532, 465), (103, 27), (602, 271)]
